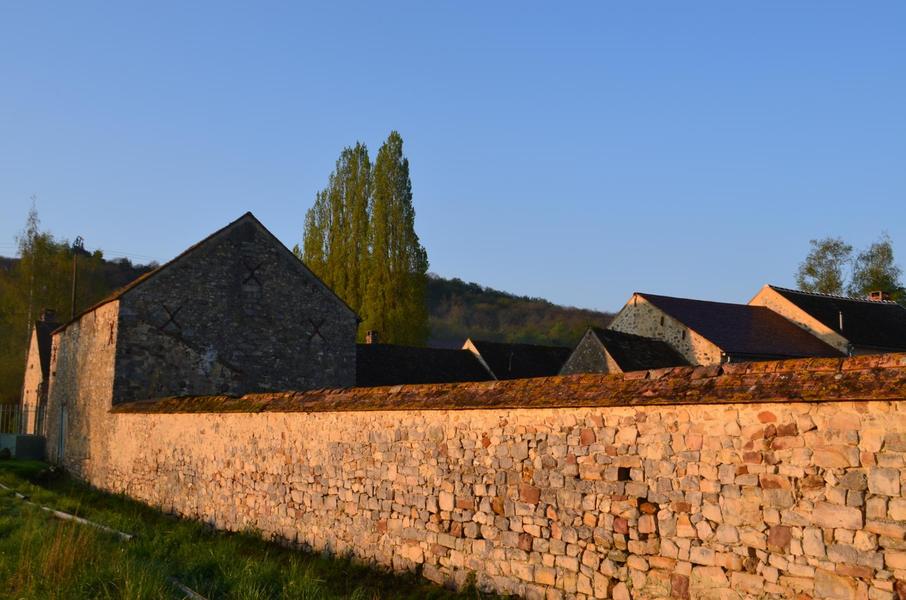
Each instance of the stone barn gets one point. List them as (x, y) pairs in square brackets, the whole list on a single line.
[(609, 351), (851, 325), (235, 313), (37, 372), (505, 360), (711, 333)]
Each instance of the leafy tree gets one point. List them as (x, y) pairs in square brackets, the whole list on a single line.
[(41, 277), (824, 269), (875, 269), (335, 240), (359, 238), (395, 300)]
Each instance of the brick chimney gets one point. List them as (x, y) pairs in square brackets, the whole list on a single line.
[(372, 336), (879, 296), (48, 315)]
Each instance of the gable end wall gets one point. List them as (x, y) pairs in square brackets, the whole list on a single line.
[(641, 317), (235, 315)]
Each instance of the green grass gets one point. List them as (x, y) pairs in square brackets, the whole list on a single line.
[(44, 557)]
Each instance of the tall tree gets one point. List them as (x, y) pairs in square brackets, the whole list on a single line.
[(335, 243), (395, 299), (41, 278), (824, 269), (875, 270)]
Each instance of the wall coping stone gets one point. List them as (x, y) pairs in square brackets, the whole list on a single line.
[(858, 378)]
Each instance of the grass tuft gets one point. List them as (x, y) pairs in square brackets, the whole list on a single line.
[(44, 558)]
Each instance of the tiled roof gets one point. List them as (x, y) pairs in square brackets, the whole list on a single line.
[(743, 331), (518, 361), (389, 364), (637, 353), (855, 379), (867, 323)]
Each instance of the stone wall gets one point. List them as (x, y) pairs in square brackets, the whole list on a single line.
[(234, 314), (771, 299), (33, 386), (641, 317), (780, 479), (81, 391), (590, 356)]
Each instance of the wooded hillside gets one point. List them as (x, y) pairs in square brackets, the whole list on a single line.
[(458, 310)]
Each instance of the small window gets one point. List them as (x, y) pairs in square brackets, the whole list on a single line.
[(684, 334), (662, 320)]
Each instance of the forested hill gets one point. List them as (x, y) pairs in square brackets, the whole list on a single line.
[(458, 310)]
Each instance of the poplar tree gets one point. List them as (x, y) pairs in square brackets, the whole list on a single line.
[(335, 243), (360, 239), (395, 300)]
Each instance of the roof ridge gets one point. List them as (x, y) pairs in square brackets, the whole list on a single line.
[(835, 296), (477, 341), (647, 294)]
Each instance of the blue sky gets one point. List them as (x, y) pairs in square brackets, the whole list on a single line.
[(577, 152)]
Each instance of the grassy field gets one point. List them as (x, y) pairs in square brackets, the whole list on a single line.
[(44, 557)]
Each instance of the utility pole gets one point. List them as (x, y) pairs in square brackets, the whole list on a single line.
[(77, 245)]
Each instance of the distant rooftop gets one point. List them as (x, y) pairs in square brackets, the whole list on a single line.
[(518, 361), (743, 331), (389, 364), (637, 353), (878, 324)]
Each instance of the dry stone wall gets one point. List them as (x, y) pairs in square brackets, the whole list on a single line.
[(785, 499)]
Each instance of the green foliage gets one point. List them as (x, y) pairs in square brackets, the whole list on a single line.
[(359, 238), (824, 269), (43, 558), (41, 278), (395, 301), (459, 310), (875, 269), (830, 268)]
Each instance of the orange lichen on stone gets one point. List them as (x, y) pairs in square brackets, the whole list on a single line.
[(877, 377)]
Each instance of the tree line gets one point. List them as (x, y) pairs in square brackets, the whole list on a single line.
[(42, 277), (359, 238), (831, 267)]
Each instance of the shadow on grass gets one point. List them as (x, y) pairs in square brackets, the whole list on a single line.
[(42, 557)]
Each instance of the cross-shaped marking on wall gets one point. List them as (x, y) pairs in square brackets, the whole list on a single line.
[(316, 330), (171, 317), (253, 273)]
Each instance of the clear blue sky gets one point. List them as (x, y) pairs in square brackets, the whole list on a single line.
[(572, 151)]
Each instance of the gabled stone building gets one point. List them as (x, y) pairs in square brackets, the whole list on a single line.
[(235, 313), (610, 351), (37, 372), (505, 360), (851, 325), (392, 364), (708, 333)]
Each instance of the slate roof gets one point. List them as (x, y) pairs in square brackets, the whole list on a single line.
[(867, 323), (44, 331), (390, 364), (247, 217), (519, 361), (637, 353), (741, 331)]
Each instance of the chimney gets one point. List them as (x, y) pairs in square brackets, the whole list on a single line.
[(879, 296), (371, 336), (48, 315)]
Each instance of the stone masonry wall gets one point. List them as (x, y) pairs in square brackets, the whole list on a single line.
[(631, 493), (641, 317), (590, 356), (33, 385), (780, 305), (81, 391), (236, 313)]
